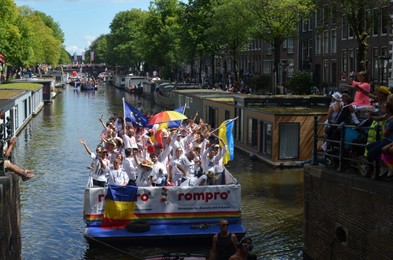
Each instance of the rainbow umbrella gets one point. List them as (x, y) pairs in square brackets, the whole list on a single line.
[(166, 116)]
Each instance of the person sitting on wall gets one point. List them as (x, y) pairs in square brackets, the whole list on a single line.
[(360, 100), (24, 174), (244, 247)]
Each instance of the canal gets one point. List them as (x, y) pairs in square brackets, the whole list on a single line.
[(52, 202)]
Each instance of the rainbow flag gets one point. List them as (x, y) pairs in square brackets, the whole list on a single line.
[(225, 132), (387, 159), (119, 205)]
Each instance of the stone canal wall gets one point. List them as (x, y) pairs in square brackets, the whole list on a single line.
[(10, 235), (346, 216)]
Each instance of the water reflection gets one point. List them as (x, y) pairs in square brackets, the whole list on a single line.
[(52, 203)]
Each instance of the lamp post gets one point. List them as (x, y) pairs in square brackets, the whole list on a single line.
[(383, 62)]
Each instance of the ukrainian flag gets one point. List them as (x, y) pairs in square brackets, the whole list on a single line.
[(225, 132), (119, 205)]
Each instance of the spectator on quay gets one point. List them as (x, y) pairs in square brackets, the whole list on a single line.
[(224, 243), (375, 149), (334, 107), (360, 100), (24, 174)]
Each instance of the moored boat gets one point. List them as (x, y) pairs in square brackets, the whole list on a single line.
[(163, 95)]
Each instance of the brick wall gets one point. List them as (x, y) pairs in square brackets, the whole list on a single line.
[(10, 236), (361, 206)]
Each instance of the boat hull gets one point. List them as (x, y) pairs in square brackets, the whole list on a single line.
[(169, 212)]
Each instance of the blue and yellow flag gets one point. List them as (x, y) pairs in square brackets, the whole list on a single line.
[(225, 132), (119, 205), (131, 114), (177, 123)]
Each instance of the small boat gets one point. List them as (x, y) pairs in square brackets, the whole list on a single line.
[(133, 84), (163, 95), (89, 84), (169, 212)]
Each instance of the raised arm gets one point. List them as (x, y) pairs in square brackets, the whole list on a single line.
[(83, 142)]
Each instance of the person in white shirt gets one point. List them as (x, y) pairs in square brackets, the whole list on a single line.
[(118, 175), (130, 165), (158, 172), (178, 167), (144, 174)]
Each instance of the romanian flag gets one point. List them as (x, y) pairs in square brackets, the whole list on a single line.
[(225, 132), (131, 114), (119, 205)]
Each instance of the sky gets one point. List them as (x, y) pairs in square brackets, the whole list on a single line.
[(82, 21)]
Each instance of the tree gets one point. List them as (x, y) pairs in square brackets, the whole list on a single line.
[(357, 14), (230, 30), (11, 37), (161, 37), (100, 48), (196, 41), (123, 38), (276, 20)]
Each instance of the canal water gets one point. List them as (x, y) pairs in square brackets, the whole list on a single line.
[(52, 202)]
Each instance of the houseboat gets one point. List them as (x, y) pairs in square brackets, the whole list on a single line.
[(20, 102)]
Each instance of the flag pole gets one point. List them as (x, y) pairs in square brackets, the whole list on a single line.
[(222, 125)]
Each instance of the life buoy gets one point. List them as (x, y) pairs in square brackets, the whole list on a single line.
[(138, 226)]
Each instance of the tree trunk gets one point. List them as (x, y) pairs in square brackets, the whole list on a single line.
[(277, 55)]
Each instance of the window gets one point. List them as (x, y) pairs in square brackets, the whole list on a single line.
[(318, 46), (290, 45), (304, 25), (325, 71), (344, 28), (252, 138), (344, 63), (267, 66), (25, 109), (376, 22), (333, 43), (385, 20), (289, 140), (351, 60), (267, 138), (269, 49), (326, 42), (226, 115), (212, 116), (16, 117)]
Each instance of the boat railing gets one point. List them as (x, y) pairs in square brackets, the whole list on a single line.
[(343, 152)]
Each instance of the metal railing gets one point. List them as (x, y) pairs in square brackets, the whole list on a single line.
[(344, 153)]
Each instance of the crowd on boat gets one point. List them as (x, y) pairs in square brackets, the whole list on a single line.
[(127, 154)]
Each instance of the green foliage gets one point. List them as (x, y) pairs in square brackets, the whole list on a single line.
[(300, 82)]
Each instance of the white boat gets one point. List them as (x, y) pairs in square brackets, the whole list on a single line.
[(163, 95), (166, 212)]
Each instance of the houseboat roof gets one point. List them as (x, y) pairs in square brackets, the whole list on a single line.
[(21, 86), (293, 110), (7, 96)]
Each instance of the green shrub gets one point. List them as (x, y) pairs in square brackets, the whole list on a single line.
[(300, 82)]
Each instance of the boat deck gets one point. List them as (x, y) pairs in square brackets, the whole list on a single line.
[(163, 231)]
